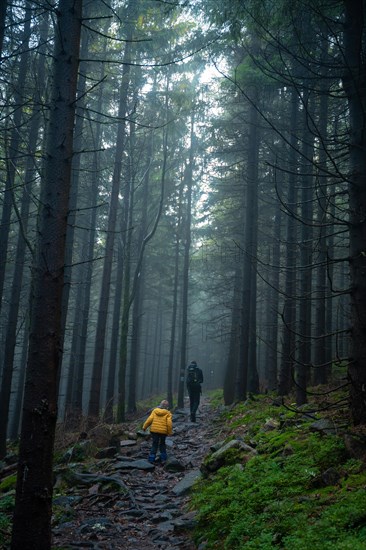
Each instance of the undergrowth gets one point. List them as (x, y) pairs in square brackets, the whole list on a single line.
[(279, 498)]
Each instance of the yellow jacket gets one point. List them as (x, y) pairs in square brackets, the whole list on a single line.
[(160, 421)]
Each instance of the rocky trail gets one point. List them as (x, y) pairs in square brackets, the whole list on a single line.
[(123, 501)]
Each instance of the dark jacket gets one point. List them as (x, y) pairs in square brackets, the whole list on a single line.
[(194, 377)]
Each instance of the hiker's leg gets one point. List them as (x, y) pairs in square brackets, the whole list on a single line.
[(190, 393), (154, 447), (195, 403), (193, 416), (162, 447)]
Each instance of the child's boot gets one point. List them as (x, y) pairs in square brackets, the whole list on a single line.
[(163, 457), (151, 458)]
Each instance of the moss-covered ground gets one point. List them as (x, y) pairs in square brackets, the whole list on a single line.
[(301, 491)]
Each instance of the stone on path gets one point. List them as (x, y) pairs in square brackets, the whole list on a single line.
[(185, 484)]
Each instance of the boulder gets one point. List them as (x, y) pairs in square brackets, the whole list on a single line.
[(139, 464), (235, 451), (127, 443), (326, 478), (185, 484), (79, 452), (107, 452), (174, 465), (323, 426), (270, 425)]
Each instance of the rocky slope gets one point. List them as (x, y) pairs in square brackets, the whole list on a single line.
[(118, 500)]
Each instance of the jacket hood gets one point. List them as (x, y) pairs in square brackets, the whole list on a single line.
[(161, 412)]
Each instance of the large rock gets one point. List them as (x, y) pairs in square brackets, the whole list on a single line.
[(185, 484), (323, 426), (271, 424), (326, 478), (233, 452), (72, 478), (139, 464), (127, 443), (79, 452), (174, 465), (107, 452)]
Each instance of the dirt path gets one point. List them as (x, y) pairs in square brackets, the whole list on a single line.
[(152, 511)]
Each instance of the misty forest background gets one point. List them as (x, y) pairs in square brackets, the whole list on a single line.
[(209, 205)]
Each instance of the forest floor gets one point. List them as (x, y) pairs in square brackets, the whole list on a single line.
[(148, 506)]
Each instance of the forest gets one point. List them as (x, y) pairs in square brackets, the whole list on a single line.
[(180, 179)]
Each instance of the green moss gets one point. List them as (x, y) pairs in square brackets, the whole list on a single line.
[(6, 510), (278, 500), (216, 398), (5, 529), (8, 483), (7, 502), (61, 514)]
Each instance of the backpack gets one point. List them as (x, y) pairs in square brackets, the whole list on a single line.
[(192, 377)]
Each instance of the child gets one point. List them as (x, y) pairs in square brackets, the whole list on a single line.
[(161, 424)]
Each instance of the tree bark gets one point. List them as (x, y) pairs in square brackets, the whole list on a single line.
[(7, 371), (354, 82), (3, 7), (78, 347), (33, 506), (320, 350), (188, 180), (306, 258), (173, 326), (233, 355), (289, 307), (250, 251), (95, 389), (13, 154)]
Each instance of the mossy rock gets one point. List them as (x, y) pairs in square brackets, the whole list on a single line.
[(233, 452), (80, 452), (68, 477)]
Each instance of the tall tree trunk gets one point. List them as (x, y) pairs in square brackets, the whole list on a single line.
[(135, 347), (7, 371), (79, 340), (3, 7), (95, 389), (306, 255), (154, 361), (233, 355), (23, 241), (13, 153), (74, 192), (115, 335), (250, 250), (354, 82), (15, 421), (139, 294), (188, 182), (173, 325), (140, 281), (131, 289), (274, 298), (289, 307), (253, 378), (123, 346), (320, 355), (33, 505)]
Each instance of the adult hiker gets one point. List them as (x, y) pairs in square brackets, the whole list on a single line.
[(194, 381), (161, 424)]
